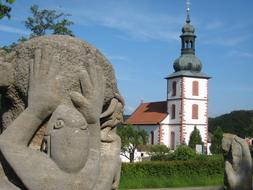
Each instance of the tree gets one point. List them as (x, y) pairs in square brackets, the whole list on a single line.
[(216, 140), (158, 149), (5, 8), (195, 138), (43, 22), (236, 122), (130, 140), (48, 21)]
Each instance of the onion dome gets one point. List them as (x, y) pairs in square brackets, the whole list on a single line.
[(188, 61)]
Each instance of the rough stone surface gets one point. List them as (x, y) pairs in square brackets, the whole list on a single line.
[(238, 163), (68, 87), (74, 56)]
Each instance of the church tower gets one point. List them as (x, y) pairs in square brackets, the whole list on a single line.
[(187, 92)]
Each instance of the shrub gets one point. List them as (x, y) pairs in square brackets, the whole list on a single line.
[(158, 149), (210, 166), (184, 152)]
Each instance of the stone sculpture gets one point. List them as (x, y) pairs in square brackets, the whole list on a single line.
[(238, 163), (67, 86)]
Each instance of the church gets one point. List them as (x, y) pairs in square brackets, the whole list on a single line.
[(171, 122)]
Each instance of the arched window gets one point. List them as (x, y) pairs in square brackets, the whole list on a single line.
[(191, 44), (173, 111), (174, 88), (195, 111), (195, 88), (172, 140), (152, 137)]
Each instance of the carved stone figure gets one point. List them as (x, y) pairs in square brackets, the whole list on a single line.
[(238, 163), (68, 87)]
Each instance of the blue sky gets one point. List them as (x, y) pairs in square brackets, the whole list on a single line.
[(141, 39)]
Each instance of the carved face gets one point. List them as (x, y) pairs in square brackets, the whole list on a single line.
[(68, 138)]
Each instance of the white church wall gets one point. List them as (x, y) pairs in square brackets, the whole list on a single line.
[(177, 104), (178, 91), (164, 127), (189, 128), (176, 130), (202, 112), (148, 129), (203, 83)]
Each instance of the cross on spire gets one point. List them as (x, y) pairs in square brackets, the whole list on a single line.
[(188, 20)]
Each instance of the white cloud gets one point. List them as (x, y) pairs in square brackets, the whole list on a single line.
[(138, 24), (10, 29)]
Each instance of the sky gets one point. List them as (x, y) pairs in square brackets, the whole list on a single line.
[(141, 40)]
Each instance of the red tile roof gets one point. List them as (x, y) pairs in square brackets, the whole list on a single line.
[(148, 113)]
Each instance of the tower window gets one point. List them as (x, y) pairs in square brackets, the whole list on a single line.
[(186, 44), (173, 111), (172, 140), (195, 88), (152, 137), (191, 46), (174, 88), (195, 111)]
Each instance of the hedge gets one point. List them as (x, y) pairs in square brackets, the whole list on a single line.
[(206, 167)]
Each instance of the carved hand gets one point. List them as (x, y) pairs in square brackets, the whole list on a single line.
[(90, 102), (114, 114), (43, 93)]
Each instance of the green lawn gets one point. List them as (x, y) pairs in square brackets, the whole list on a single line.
[(175, 181)]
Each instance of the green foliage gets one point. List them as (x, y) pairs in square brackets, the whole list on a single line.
[(206, 170), (236, 122), (130, 140), (45, 20), (5, 8), (158, 149), (210, 166), (195, 138), (216, 141), (183, 152)]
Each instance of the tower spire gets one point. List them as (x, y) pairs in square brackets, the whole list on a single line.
[(188, 20)]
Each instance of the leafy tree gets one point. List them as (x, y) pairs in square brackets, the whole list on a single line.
[(130, 140), (216, 141), (159, 152), (5, 8), (43, 21), (236, 122), (195, 138), (158, 149)]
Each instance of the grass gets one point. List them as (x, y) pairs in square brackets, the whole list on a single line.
[(175, 181)]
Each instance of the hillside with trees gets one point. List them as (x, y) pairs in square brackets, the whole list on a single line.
[(237, 122)]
